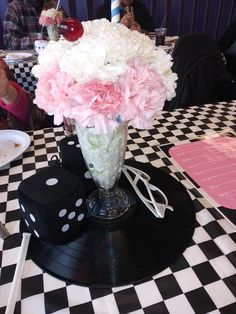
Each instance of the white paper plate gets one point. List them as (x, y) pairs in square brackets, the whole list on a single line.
[(171, 39), (18, 56), (12, 144)]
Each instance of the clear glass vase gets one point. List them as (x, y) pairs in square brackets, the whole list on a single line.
[(53, 32), (104, 156)]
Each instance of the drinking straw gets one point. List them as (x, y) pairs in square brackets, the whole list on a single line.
[(58, 3), (164, 20), (115, 11), (41, 32), (18, 274)]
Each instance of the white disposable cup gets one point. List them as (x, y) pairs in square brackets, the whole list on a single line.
[(39, 45)]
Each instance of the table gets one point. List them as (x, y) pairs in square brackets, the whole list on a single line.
[(202, 280), (22, 69), (23, 75)]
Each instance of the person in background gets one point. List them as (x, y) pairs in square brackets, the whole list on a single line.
[(21, 24), (134, 15), (16, 108), (227, 44)]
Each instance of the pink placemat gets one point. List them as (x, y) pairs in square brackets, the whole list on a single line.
[(211, 163)]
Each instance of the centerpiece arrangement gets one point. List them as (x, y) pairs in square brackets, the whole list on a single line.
[(51, 18), (108, 79)]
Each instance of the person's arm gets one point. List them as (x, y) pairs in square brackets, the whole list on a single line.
[(8, 94), (128, 21), (14, 99), (16, 35), (135, 27), (15, 42)]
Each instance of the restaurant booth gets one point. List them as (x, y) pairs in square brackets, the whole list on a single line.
[(182, 16)]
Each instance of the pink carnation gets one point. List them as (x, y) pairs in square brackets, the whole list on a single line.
[(138, 96), (119, 84), (92, 104), (52, 93), (103, 98), (143, 92), (50, 17), (46, 21), (99, 104)]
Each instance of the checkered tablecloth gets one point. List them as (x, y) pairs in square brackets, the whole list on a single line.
[(23, 75), (202, 280)]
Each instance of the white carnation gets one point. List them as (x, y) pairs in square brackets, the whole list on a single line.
[(52, 13), (103, 53)]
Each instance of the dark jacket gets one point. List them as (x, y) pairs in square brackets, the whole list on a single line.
[(202, 75), (227, 44), (141, 15), (228, 38)]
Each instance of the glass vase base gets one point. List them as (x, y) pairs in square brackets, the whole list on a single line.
[(108, 204)]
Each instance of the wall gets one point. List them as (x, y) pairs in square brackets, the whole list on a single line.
[(183, 16)]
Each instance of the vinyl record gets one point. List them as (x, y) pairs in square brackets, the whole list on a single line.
[(128, 250)]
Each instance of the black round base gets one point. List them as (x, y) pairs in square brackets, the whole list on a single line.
[(127, 250)]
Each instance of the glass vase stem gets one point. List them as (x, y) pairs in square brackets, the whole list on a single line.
[(104, 156)]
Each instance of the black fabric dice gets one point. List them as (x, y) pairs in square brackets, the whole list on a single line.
[(53, 204), (72, 160)]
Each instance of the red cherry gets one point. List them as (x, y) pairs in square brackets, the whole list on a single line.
[(71, 29)]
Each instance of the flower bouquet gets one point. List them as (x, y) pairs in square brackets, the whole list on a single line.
[(51, 18), (108, 79)]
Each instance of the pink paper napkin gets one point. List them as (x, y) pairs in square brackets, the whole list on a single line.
[(211, 163)]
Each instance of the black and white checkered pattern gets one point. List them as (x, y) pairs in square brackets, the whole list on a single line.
[(23, 75), (202, 280)]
